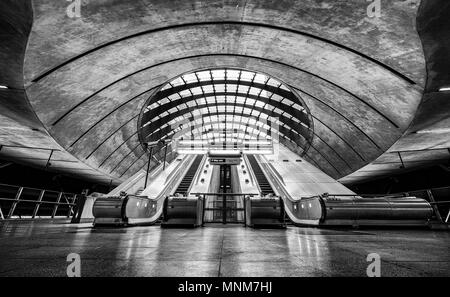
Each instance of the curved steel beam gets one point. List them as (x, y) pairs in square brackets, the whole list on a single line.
[(158, 123), (283, 93), (326, 159), (107, 115), (250, 24), (344, 117), (301, 116), (340, 137), (109, 136), (233, 55), (115, 150)]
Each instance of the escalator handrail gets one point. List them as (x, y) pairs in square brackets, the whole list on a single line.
[(198, 173), (251, 173)]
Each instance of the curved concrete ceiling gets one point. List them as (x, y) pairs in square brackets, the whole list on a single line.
[(427, 141), (361, 78)]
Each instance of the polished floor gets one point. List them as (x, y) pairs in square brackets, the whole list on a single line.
[(40, 249)]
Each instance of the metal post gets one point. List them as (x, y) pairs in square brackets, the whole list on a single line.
[(14, 204), (401, 160), (203, 208), (148, 166), (49, 158), (55, 208), (1, 214), (74, 201), (224, 198), (38, 204), (435, 207), (165, 156), (448, 216)]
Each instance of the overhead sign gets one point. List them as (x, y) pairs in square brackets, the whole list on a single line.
[(225, 161)]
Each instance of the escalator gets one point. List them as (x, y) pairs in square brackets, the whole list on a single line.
[(263, 183), (304, 190), (268, 209), (186, 182), (182, 209), (130, 204)]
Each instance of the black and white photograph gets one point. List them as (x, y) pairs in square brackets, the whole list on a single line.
[(224, 146)]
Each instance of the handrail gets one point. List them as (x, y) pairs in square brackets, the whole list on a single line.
[(223, 194), (37, 202), (37, 189), (198, 173), (250, 171), (275, 182), (69, 200), (199, 170), (173, 178), (178, 169)]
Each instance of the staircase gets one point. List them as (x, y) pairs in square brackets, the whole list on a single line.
[(183, 187), (263, 183)]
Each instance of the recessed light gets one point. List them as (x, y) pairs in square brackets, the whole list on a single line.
[(434, 131), (444, 89)]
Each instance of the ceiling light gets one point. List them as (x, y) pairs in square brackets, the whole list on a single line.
[(444, 89), (434, 131), (3, 87)]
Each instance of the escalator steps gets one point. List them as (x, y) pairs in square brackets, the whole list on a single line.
[(189, 176), (260, 177)]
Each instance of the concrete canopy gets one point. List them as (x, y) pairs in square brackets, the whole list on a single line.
[(361, 78)]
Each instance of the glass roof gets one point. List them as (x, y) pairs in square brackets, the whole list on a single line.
[(221, 105)]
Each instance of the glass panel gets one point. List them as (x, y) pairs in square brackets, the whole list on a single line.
[(190, 78), (208, 89), (185, 93), (173, 97), (247, 76), (196, 91), (218, 74), (243, 89), (232, 74), (220, 88), (261, 79), (204, 75), (273, 83), (232, 88), (177, 82)]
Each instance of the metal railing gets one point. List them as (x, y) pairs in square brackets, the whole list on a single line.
[(30, 203), (221, 210)]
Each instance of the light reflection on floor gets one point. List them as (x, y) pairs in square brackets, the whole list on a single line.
[(40, 249)]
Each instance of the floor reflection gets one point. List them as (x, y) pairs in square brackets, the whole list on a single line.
[(40, 249)]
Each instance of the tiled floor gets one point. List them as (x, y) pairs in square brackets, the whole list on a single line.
[(40, 249)]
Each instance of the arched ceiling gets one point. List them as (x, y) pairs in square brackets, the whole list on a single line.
[(217, 100), (361, 78)]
